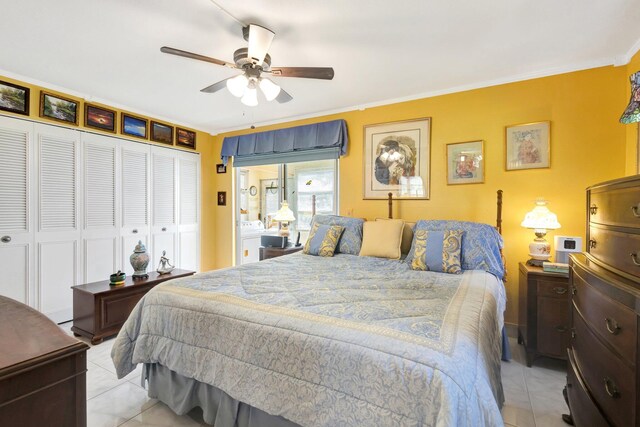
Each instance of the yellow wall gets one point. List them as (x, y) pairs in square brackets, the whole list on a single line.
[(204, 145), (631, 130), (588, 145)]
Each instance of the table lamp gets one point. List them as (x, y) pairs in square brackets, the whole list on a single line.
[(284, 216), (540, 219)]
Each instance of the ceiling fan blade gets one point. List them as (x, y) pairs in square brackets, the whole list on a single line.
[(323, 73), (216, 86), (190, 55), (260, 39), (283, 97)]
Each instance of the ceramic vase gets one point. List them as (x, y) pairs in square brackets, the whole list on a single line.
[(139, 261)]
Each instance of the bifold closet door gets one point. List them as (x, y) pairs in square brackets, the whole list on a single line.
[(163, 204), (189, 211), (101, 231), (58, 232), (16, 210), (135, 200)]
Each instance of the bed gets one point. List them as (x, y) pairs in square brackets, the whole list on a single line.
[(312, 341)]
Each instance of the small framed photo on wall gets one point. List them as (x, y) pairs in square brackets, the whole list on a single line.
[(465, 162), (55, 107), (134, 126), (528, 146), (161, 133), (99, 118), (185, 138), (222, 198), (14, 98), (221, 168)]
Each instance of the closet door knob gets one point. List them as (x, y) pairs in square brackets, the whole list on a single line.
[(5, 239), (134, 231), (164, 228)]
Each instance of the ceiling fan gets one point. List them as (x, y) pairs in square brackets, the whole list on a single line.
[(255, 61)]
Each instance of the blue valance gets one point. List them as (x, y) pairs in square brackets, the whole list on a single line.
[(301, 143)]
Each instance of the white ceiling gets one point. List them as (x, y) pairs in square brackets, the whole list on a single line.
[(108, 50)]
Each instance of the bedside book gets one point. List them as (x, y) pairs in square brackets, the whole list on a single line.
[(555, 267)]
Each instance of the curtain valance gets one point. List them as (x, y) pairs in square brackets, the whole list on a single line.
[(301, 143)]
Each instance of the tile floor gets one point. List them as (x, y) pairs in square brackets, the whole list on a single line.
[(533, 395)]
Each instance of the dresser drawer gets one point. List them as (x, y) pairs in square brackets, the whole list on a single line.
[(617, 249), (584, 411), (554, 288), (607, 378), (616, 207), (612, 321)]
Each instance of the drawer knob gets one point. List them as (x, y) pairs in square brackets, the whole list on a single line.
[(5, 239), (593, 209), (560, 290), (573, 333), (561, 328), (634, 258), (612, 326), (634, 209), (592, 243), (611, 388), (574, 290)]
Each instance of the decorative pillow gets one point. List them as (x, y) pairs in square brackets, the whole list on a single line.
[(481, 244), (323, 240), (437, 251), (382, 239), (407, 235), (351, 239)]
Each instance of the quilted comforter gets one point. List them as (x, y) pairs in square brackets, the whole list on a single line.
[(342, 341)]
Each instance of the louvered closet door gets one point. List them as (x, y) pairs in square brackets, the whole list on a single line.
[(16, 210), (189, 211), (101, 233), (163, 203), (135, 199), (58, 232)]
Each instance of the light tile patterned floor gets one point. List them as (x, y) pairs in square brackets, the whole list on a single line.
[(533, 395)]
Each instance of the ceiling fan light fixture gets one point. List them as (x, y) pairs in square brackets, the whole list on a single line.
[(237, 85), (269, 89), (250, 97), (260, 39)]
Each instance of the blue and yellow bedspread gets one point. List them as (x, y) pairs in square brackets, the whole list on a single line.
[(342, 341)]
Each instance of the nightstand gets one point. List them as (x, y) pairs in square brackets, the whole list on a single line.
[(266, 253), (543, 313)]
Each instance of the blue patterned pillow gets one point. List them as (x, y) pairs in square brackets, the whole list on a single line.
[(437, 251), (481, 244), (351, 240), (323, 240)]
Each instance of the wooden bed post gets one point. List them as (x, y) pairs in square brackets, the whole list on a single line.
[(499, 213), (313, 205), (390, 205)]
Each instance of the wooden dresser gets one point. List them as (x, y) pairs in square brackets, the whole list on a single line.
[(42, 370), (602, 382)]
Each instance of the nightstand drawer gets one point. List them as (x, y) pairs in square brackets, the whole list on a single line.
[(612, 321), (608, 378), (554, 288), (553, 326)]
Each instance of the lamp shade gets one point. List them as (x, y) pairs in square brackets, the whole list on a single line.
[(632, 113), (269, 88), (237, 85), (541, 218), (284, 214), (250, 97)]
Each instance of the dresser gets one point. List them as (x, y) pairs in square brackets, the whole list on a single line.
[(543, 313), (602, 380), (42, 370)]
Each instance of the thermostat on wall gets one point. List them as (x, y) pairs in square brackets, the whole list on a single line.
[(565, 245)]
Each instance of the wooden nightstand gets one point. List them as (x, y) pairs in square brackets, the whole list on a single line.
[(266, 253), (543, 314)]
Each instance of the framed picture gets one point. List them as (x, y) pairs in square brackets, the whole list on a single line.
[(222, 198), (185, 138), (528, 146), (396, 159), (465, 162), (55, 107), (99, 118), (134, 126), (161, 133), (14, 98), (220, 168)]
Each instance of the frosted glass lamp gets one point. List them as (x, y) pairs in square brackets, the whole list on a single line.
[(540, 219), (284, 216)]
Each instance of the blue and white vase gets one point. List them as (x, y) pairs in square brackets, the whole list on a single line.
[(139, 260)]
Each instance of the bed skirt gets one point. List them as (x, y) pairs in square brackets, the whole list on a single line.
[(182, 394)]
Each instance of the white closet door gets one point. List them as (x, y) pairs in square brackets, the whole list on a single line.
[(135, 199), (16, 211), (101, 220), (163, 203), (189, 211), (57, 235)]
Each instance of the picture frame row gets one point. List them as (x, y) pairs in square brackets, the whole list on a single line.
[(397, 157), (15, 99)]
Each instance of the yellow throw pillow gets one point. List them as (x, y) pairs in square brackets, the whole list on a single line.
[(407, 235), (382, 239)]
